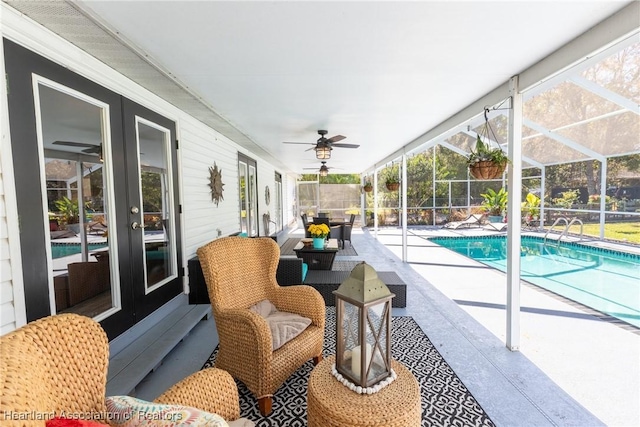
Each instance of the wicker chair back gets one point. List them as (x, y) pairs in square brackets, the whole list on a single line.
[(54, 364), (242, 271), (58, 365)]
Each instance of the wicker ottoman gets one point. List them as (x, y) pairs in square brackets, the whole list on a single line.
[(331, 404)]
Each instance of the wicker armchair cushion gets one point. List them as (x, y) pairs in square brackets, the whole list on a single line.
[(284, 326), (127, 411)]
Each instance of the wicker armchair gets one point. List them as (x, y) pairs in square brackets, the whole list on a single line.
[(59, 364), (240, 273)]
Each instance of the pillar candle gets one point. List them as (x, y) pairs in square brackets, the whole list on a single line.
[(355, 358)]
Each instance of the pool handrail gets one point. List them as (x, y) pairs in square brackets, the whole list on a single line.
[(566, 230), (562, 218), (568, 225)]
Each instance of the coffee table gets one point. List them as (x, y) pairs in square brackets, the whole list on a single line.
[(331, 404), (317, 259)]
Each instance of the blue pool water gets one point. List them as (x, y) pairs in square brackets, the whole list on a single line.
[(59, 250), (605, 280)]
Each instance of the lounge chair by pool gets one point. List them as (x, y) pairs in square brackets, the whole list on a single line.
[(495, 226), (473, 220)]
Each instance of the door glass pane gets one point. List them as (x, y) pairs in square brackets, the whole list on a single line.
[(77, 175), (252, 202), (278, 202), (244, 217), (157, 204)]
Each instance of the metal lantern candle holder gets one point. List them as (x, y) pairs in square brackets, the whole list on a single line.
[(363, 329)]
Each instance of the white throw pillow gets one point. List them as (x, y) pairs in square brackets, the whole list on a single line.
[(284, 326)]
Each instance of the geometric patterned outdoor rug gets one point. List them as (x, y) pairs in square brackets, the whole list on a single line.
[(445, 399), (287, 248)]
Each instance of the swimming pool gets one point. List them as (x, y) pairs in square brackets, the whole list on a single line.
[(605, 280), (59, 250)]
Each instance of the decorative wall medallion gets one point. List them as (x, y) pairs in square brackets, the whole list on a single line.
[(215, 183), (267, 195)]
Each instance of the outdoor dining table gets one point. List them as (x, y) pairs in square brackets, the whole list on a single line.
[(334, 222)]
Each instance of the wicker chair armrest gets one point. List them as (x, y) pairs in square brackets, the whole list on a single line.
[(211, 390), (303, 300), (246, 331), (289, 271)]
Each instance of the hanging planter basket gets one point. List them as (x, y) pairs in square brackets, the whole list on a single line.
[(487, 162), (368, 188), (486, 170), (393, 186)]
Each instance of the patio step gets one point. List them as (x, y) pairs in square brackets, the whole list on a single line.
[(129, 367)]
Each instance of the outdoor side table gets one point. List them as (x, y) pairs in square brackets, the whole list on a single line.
[(318, 259), (331, 404)]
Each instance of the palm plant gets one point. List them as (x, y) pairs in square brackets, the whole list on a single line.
[(68, 210), (495, 202), (531, 206)]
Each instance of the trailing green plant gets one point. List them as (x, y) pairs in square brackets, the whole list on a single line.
[(495, 202), (390, 174), (484, 153), (392, 179)]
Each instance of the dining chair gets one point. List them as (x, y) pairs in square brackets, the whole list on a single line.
[(305, 224), (346, 230)]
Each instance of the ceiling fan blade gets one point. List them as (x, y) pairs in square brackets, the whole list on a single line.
[(346, 145), (303, 143), (336, 138), (97, 149), (74, 144)]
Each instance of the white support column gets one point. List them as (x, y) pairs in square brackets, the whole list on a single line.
[(403, 206), (543, 182), (514, 216), (375, 203), (363, 201), (434, 220), (603, 195)]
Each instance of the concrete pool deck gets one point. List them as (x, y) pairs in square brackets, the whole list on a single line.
[(597, 362)]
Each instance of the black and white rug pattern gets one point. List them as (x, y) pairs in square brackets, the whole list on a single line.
[(445, 399)]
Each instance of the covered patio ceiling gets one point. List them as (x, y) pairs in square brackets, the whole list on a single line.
[(387, 75)]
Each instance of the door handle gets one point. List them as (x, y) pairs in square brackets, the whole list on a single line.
[(135, 225)]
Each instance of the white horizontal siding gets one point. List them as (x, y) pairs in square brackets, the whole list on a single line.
[(200, 148), (12, 309)]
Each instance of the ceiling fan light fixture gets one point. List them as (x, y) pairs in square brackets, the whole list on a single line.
[(323, 153), (324, 171)]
